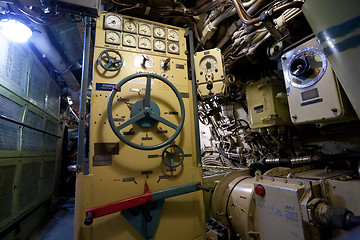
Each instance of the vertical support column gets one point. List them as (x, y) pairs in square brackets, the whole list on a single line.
[(193, 81), (82, 165)]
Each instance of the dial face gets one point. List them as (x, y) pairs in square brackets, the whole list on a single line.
[(159, 32), (112, 37), (173, 35), (129, 40), (144, 29), (129, 26), (208, 64), (173, 48), (112, 22), (159, 45), (144, 42), (306, 67)]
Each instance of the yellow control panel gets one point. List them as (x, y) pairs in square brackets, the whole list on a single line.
[(125, 46)]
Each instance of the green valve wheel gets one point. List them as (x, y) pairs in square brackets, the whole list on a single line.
[(145, 112), (110, 64), (166, 156)]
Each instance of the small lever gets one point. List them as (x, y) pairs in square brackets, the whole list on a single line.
[(166, 64), (145, 59)]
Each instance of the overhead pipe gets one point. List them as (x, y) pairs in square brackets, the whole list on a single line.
[(43, 44)]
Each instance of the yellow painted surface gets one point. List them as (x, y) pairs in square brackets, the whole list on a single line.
[(182, 217)]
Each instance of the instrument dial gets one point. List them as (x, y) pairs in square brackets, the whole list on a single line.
[(145, 43), (112, 22), (159, 45), (112, 37), (208, 64), (144, 29), (129, 26), (159, 32), (173, 35), (306, 67), (173, 48), (129, 40)]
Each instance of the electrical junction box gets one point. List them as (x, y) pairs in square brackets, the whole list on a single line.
[(85, 7), (210, 74), (313, 91), (267, 104)]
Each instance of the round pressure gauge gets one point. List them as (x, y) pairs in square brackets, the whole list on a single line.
[(144, 42), (173, 48), (159, 45), (208, 64), (144, 29), (173, 35), (306, 67), (159, 32), (112, 22), (129, 26), (129, 40), (112, 37)]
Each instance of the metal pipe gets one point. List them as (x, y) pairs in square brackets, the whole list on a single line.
[(82, 110), (194, 93), (43, 44), (27, 126)]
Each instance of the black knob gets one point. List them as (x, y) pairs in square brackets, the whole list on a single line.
[(299, 66), (89, 218)]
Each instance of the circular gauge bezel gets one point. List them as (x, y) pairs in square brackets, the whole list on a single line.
[(156, 48), (295, 56), (212, 67), (125, 43), (163, 29), (129, 22), (147, 39), (110, 26), (147, 33), (107, 40), (171, 38), (172, 51)]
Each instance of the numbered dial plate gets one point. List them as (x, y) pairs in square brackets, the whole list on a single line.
[(112, 37), (173, 48), (145, 29), (129, 40), (145, 43), (113, 22), (159, 32), (208, 64), (129, 26), (306, 67), (173, 35), (159, 45)]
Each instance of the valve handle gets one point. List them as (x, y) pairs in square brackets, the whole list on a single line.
[(111, 64), (170, 155), (145, 112)]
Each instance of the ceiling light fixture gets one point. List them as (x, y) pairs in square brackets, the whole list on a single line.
[(15, 30)]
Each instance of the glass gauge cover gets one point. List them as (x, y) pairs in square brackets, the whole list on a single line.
[(112, 37), (159, 45), (129, 40), (208, 64), (129, 26), (159, 32), (144, 29), (306, 67), (173, 35), (173, 48), (145, 43), (112, 22)]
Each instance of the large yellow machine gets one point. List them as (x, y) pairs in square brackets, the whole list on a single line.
[(141, 95)]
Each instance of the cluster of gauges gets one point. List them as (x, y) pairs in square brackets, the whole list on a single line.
[(139, 34)]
